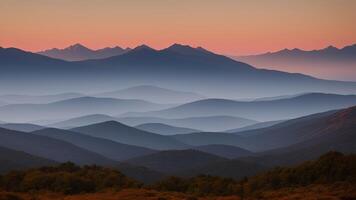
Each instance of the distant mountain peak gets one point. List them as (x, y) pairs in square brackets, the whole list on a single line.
[(203, 49), (78, 52), (142, 47), (78, 47), (186, 49), (110, 123), (296, 50), (331, 47), (176, 45)]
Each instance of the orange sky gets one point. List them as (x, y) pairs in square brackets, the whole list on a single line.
[(234, 27)]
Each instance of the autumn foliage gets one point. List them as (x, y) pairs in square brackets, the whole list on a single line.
[(66, 178), (333, 174)]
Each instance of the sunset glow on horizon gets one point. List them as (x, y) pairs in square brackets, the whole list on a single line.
[(227, 27)]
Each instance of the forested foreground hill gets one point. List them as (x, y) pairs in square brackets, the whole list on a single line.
[(332, 176)]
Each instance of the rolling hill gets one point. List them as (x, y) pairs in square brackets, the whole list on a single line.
[(15, 160), (260, 110), (175, 160), (254, 126), (121, 133), (333, 131), (210, 123), (286, 133), (205, 123), (153, 94), (110, 149), (277, 136), (209, 138), (225, 151), (73, 108), (164, 129), (82, 121), (49, 148), (21, 127)]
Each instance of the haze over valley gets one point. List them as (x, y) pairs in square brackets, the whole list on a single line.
[(177, 100)]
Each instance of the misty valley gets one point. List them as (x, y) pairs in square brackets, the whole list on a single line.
[(175, 123)]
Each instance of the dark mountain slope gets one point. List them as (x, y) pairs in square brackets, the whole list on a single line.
[(118, 132), (286, 133), (164, 129), (10, 56), (107, 148), (337, 133), (21, 127), (14, 160), (175, 160), (254, 126), (225, 151), (209, 138), (277, 136), (49, 148)]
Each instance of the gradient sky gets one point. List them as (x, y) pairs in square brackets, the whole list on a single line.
[(234, 27)]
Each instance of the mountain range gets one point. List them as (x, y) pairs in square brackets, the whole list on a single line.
[(49, 148), (165, 129), (330, 62), (279, 109), (205, 123), (116, 131), (153, 94), (79, 52), (174, 111), (231, 155), (15, 160), (108, 148), (331, 131), (225, 151), (176, 67), (313, 135), (142, 92), (24, 127), (73, 108), (210, 123), (254, 126)]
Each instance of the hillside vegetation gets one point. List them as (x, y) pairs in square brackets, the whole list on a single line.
[(66, 178), (332, 176)]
